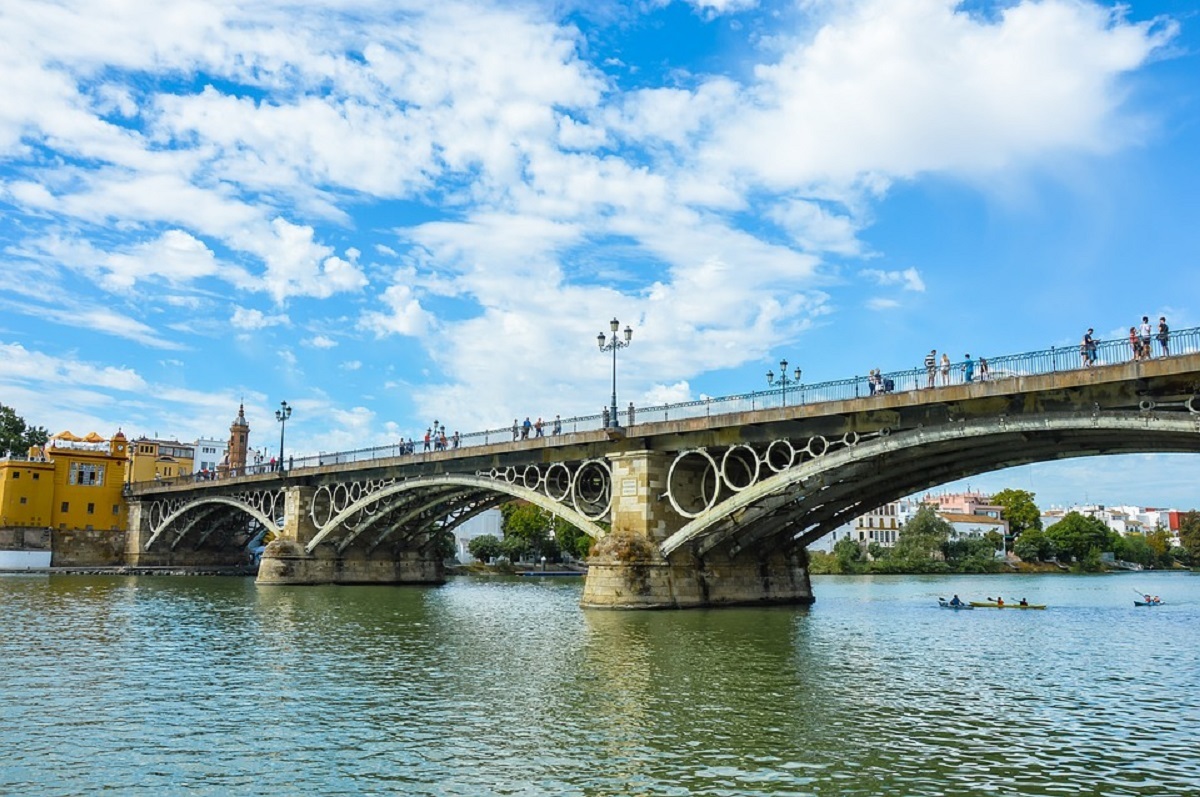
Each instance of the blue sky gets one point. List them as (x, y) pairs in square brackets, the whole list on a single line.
[(386, 211)]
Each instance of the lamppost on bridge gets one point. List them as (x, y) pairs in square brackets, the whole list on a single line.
[(282, 414), (784, 381), (613, 345)]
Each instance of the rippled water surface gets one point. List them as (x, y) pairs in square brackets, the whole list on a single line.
[(139, 686)]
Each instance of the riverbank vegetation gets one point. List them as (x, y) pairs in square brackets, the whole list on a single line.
[(928, 544), (530, 533)]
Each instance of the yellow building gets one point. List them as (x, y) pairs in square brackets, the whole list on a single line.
[(74, 483), (159, 459)]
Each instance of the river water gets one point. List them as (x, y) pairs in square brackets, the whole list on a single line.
[(213, 686)]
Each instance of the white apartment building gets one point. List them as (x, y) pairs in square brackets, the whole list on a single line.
[(209, 455)]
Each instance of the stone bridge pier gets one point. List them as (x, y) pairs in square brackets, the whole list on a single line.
[(291, 558), (628, 571)]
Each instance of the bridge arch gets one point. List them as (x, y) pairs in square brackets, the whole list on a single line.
[(444, 490), (807, 501), (185, 518)]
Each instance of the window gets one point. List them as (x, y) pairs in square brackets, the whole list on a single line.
[(66, 506), (91, 509), (23, 499), (116, 509), (37, 476), (86, 474), (16, 475)]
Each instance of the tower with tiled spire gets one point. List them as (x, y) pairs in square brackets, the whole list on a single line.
[(239, 442)]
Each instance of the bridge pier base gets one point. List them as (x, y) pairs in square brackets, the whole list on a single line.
[(285, 562), (625, 575), (626, 570)]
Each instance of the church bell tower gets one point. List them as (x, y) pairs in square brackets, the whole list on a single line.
[(239, 437)]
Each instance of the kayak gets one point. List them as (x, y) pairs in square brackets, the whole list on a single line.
[(994, 605), (1148, 603), (949, 605)]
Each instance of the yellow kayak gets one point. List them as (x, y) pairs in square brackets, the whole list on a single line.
[(994, 605)]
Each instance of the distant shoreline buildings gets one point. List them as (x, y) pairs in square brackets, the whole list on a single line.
[(971, 515)]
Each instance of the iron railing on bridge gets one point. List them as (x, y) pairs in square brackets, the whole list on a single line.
[(1045, 361)]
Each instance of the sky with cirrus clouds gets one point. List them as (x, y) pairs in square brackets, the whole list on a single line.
[(387, 212)]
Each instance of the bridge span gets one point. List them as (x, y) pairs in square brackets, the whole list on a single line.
[(698, 511)]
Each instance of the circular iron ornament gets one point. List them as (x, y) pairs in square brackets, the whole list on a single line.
[(885, 431), (850, 439), (341, 497), (531, 477), (740, 461), (558, 481), (710, 474), (591, 491), (1145, 405), (781, 455), (1191, 405), (322, 503), (817, 446)]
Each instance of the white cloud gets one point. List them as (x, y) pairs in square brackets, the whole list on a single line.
[(900, 88), (351, 365), (321, 342), (251, 319), (909, 279), (667, 394), (299, 266), (404, 314), (879, 303), (68, 312), (31, 367), (722, 6)]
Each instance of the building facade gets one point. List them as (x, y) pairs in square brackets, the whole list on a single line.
[(151, 459), (71, 484), (210, 455)]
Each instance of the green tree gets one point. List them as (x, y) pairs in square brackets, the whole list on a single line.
[(848, 554), (485, 547), (447, 546), (1159, 541), (531, 525), (923, 536), (1077, 535), (571, 540), (1189, 534), (1019, 510), (514, 548), (16, 437), (1034, 546), (1134, 548)]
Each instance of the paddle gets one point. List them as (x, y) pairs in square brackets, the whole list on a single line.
[(1145, 596)]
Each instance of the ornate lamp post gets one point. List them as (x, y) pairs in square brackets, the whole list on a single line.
[(282, 414), (784, 381), (613, 345)]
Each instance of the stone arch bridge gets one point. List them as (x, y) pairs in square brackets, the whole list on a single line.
[(694, 512)]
